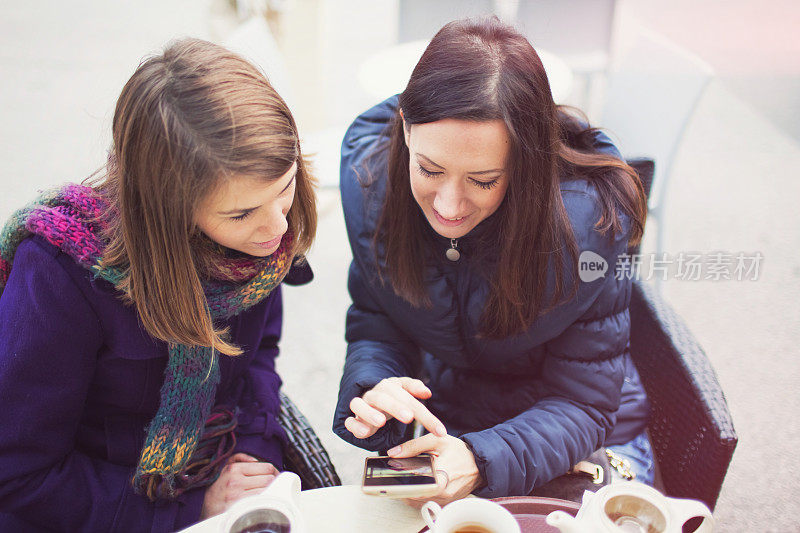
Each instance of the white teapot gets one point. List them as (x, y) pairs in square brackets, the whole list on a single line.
[(631, 507)]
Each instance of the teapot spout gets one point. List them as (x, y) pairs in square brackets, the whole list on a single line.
[(563, 522)]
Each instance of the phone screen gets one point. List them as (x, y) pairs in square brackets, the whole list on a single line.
[(381, 471)]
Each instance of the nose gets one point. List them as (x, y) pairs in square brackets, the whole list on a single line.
[(449, 200), (274, 223)]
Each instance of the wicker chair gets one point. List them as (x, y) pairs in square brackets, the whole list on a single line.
[(690, 425), (305, 455)]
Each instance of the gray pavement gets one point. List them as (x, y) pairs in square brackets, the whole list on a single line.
[(735, 189)]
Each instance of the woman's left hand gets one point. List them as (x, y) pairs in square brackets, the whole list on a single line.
[(455, 466)]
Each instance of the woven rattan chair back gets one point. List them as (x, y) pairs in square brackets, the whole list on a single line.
[(690, 426), (304, 455)]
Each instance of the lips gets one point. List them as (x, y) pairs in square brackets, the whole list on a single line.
[(450, 222), (269, 244)]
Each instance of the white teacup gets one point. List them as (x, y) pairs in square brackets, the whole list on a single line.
[(271, 511), (474, 513)]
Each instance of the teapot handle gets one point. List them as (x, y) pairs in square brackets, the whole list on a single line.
[(686, 509), (430, 512)]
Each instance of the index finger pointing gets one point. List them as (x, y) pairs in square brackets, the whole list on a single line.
[(427, 419)]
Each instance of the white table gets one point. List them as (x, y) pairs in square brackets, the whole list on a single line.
[(386, 72), (342, 509), (347, 509)]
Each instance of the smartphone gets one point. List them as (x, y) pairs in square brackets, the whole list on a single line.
[(409, 477)]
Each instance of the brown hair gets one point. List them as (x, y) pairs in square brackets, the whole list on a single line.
[(482, 70), (187, 120)]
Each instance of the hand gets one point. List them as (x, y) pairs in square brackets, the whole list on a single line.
[(456, 471), (392, 398), (243, 475)]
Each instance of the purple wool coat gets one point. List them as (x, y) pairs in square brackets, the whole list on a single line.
[(79, 382)]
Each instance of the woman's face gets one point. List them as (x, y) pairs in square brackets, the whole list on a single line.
[(248, 214), (458, 171)]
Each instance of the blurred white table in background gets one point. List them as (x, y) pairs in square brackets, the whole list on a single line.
[(386, 72)]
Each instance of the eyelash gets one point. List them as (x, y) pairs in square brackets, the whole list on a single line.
[(247, 214), (427, 173), (485, 185), (242, 216)]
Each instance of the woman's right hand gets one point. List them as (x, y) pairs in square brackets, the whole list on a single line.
[(392, 398), (241, 476)]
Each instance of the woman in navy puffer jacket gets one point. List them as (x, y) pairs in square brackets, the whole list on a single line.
[(468, 202)]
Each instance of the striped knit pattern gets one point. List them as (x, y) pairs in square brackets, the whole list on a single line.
[(69, 218), (175, 430), (66, 217)]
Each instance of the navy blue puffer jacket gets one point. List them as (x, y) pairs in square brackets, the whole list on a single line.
[(529, 406)]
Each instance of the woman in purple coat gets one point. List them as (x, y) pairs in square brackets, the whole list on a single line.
[(140, 314)]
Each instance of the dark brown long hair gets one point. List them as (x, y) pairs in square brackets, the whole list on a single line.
[(186, 121), (478, 70)]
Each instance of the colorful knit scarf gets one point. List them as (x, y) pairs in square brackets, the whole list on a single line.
[(69, 218)]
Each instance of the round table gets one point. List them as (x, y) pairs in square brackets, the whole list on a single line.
[(347, 509), (386, 72), (339, 510)]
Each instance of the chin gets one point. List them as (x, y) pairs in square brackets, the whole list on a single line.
[(450, 233), (252, 251), (263, 253)]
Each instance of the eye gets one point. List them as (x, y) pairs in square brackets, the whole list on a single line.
[(486, 185), (427, 173), (242, 216)]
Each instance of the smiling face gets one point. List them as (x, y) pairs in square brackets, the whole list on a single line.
[(458, 171), (248, 214)]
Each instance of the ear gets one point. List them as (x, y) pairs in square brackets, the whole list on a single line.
[(406, 128)]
